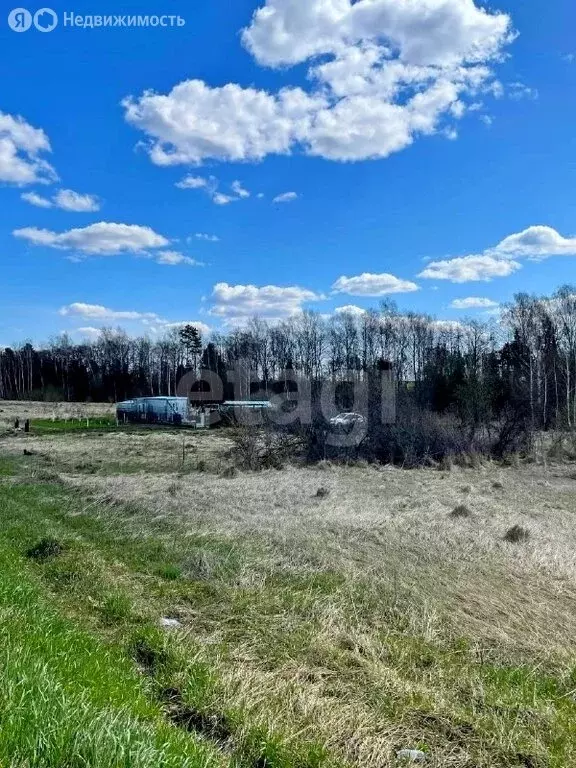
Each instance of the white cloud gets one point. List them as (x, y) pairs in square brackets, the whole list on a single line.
[(206, 237), (239, 190), (210, 186), (465, 269), (239, 193), (153, 322), (369, 284), (537, 242), (175, 258), (66, 199), (389, 72), (104, 238), (194, 182), (473, 302), (37, 200), (21, 153), (287, 32), (98, 312), (350, 309), (518, 91), (286, 197), (236, 303), (69, 200), (195, 122), (221, 199), (534, 243), (89, 331)]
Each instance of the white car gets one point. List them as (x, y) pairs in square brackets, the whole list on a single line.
[(347, 420)]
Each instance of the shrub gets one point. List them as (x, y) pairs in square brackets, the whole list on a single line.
[(517, 535), (419, 438), (256, 449), (514, 434)]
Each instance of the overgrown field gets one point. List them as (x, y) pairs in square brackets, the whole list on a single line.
[(10, 410), (159, 608)]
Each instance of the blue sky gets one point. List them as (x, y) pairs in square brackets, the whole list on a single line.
[(430, 162)]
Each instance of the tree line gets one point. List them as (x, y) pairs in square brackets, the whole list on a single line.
[(526, 360)]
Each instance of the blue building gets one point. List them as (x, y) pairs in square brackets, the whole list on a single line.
[(154, 410)]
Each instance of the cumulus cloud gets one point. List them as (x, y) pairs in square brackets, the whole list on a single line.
[(285, 32), (369, 284), (102, 239), (538, 242), (69, 200), (66, 199), (381, 74), (473, 302), (534, 243), (175, 258), (350, 309), (465, 269), (22, 150), (237, 303), (285, 197)]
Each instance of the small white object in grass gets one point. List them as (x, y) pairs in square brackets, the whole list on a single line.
[(411, 755), (170, 623)]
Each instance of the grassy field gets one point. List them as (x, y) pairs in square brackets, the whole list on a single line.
[(159, 609)]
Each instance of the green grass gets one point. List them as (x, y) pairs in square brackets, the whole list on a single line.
[(68, 700), (279, 663), (88, 585), (60, 426)]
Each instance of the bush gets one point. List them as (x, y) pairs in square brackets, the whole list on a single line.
[(418, 438), (514, 435), (257, 449), (516, 535)]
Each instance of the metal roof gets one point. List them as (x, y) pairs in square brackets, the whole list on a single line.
[(248, 403)]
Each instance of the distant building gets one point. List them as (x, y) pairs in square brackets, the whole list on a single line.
[(154, 410)]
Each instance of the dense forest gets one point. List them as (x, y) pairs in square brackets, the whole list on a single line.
[(527, 359)]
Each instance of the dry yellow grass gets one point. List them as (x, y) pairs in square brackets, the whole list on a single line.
[(386, 522), (396, 525)]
